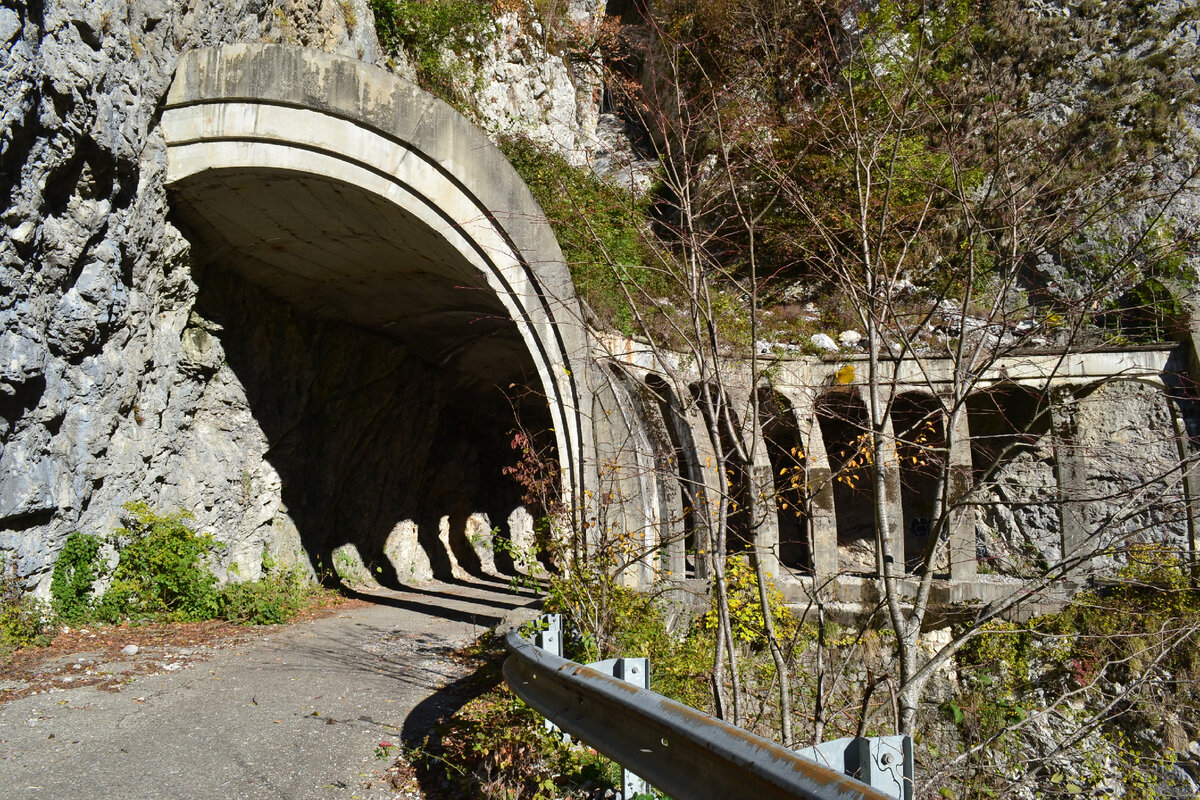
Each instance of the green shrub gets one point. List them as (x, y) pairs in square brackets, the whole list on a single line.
[(494, 745), (745, 608), (23, 619), (78, 567), (426, 29), (160, 570), (599, 227), (274, 599)]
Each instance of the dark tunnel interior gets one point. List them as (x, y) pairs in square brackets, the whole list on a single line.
[(385, 375)]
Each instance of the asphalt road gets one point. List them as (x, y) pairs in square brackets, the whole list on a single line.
[(294, 714)]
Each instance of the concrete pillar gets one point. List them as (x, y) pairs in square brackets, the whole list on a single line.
[(625, 508), (706, 508), (1070, 468), (960, 519), (818, 479), (890, 467)]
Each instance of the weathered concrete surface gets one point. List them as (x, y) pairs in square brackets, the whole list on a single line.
[(295, 714)]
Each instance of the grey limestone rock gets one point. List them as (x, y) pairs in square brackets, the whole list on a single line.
[(107, 395)]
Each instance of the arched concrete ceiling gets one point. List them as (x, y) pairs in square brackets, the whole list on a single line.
[(335, 252), (356, 196)]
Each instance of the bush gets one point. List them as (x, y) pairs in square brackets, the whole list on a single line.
[(276, 598), (23, 619), (600, 228), (78, 567), (160, 570), (494, 745), (426, 29), (745, 609)]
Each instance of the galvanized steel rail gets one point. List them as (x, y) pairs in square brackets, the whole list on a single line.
[(682, 752)]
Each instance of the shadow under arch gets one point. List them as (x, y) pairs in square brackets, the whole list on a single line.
[(843, 423), (786, 451), (380, 276), (690, 474)]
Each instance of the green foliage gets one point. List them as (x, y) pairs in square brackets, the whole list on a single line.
[(600, 228), (77, 569), (23, 620), (271, 600), (494, 746), (949, 143), (428, 29), (745, 609), (161, 570), (1101, 649)]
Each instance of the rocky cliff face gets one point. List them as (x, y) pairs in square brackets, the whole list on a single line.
[(111, 388)]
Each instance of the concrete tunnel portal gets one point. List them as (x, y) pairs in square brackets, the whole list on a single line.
[(388, 292)]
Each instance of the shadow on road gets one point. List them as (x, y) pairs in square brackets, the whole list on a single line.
[(425, 601), (423, 727)]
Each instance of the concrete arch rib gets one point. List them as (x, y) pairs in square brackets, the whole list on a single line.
[(283, 113)]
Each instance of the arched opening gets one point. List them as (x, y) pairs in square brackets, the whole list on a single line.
[(920, 432), (789, 466), (1131, 441), (1017, 521), (842, 417), (385, 290)]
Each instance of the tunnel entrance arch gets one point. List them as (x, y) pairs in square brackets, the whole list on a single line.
[(357, 199)]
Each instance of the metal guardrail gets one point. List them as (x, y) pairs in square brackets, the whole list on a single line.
[(683, 752)]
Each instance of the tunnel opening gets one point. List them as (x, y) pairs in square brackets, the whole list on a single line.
[(1016, 491), (917, 423), (842, 417), (385, 375), (789, 466), (1006, 423)]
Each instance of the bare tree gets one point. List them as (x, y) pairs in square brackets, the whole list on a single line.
[(902, 162)]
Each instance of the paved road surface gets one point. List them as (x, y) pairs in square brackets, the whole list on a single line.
[(294, 714)]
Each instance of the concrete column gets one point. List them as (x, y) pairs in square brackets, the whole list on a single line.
[(706, 507), (960, 519), (1070, 468), (890, 467), (626, 505), (667, 476), (818, 479)]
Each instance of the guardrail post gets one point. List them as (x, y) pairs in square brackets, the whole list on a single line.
[(637, 672), (883, 762), (548, 636), (681, 751)]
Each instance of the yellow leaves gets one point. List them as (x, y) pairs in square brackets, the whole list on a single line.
[(862, 457)]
